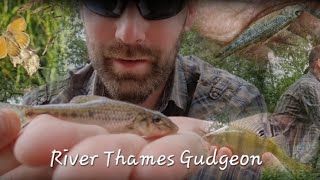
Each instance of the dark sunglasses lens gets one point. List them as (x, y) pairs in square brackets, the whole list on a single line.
[(160, 9), (109, 8)]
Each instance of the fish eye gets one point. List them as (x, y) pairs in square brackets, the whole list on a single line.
[(156, 119)]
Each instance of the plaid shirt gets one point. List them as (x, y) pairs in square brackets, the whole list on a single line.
[(297, 115), (195, 89)]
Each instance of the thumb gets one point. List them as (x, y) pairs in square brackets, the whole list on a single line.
[(9, 127), (9, 130)]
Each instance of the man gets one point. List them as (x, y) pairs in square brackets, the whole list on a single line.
[(297, 114), (133, 52)]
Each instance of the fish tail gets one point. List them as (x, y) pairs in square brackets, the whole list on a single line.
[(300, 167), (294, 166)]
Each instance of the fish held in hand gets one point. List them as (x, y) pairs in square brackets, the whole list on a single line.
[(114, 116), (242, 139)]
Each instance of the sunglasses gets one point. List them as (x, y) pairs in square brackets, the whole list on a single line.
[(149, 9)]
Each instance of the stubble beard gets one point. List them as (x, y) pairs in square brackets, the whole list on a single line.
[(131, 87)]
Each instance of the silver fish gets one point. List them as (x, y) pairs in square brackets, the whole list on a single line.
[(114, 116), (262, 29)]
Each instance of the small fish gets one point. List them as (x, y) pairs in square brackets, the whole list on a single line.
[(242, 138), (262, 30), (114, 116)]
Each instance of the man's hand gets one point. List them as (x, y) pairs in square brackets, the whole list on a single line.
[(33, 149), (9, 130)]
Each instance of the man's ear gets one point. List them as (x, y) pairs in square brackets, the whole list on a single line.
[(192, 12)]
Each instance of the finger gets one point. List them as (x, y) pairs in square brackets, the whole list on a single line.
[(213, 150), (173, 156), (7, 160), (45, 134), (186, 124), (25, 172), (9, 127), (270, 161), (224, 151), (102, 166)]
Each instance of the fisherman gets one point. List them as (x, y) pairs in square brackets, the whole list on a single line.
[(133, 50), (297, 114)]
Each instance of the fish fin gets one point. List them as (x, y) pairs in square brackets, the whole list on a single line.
[(219, 131), (223, 129), (87, 98), (254, 124)]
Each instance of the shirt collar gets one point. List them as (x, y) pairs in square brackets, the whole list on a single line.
[(94, 86), (310, 73), (176, 89)]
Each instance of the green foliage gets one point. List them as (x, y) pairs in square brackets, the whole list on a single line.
[(53, 29), (275, 174)]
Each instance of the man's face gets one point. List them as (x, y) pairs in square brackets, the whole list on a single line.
[(133, 56)]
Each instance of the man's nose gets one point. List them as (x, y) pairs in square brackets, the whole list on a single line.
[(131, 27)]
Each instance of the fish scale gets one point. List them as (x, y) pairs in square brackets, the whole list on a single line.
[(247, 143), (242, 138), (114, 116), (262, 30)]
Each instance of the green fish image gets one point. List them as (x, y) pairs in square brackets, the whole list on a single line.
[(242, 137), (262, 30)]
